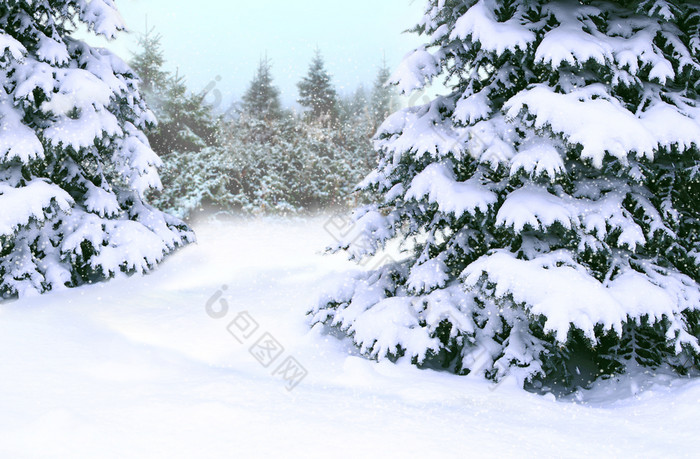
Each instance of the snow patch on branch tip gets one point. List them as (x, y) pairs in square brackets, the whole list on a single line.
[(590, 117), (16, 139), (480, 24), (21, 205), (556, 287), (417, 68), (438, 184)]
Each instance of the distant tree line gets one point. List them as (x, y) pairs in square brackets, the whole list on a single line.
[(260, 157)]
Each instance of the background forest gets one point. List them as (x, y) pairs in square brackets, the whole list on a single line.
[(256, 156)]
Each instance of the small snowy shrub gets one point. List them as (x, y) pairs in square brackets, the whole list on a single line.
[(74, 162), (550, 199)]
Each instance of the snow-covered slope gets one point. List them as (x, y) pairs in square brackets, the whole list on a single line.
[(136, 367)]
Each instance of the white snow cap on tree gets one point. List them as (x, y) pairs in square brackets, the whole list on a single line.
[(552, 194), (74, 162)]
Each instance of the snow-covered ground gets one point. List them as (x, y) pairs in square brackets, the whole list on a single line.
[(137, 368)]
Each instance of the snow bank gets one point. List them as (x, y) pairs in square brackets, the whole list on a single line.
[(136, 367)]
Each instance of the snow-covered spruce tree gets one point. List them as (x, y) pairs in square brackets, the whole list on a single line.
[(354, 131), (353, 106), (262, 99), (316, 92), (148, 64), (74, 162), (185, 121), (383, 95), (550, 199)]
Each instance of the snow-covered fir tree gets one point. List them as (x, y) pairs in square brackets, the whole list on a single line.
[(383, 96), (548, 203), (262, 99), (356, 127), (316, 91), (74, 161), (148, 64), (354, 105), (185, 121)]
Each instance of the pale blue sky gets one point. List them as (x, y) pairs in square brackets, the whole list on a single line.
[(210, 38)]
